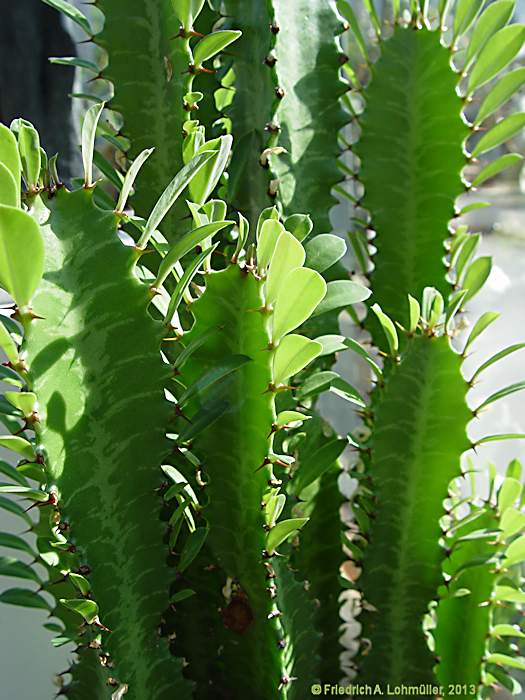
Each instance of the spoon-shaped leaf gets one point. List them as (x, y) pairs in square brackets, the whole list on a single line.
[(8, 190), (293, 353), (302, 291), (20, 273), (9, 155)]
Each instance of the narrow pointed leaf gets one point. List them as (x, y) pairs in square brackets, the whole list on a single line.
[(205, 181), (282, 531), (502, 132), (192, 547), (495, 358), (18, 569), (14, 542), (182, 285), (213, 376), (25, 492), (76, 62), (483, 322), (501, 93), (498, 52), (316, 463), (388, 328), (492, 19), (269, 234), (466, 11), (10, 506), (214, 43), (129, 180), (72, 13), (497, 166), (19, 445), (501, 394), (7, 344), (501, 436), (171, 193), (24, 598), (509, 493), (476, 276), (187, 243), (89, 133)]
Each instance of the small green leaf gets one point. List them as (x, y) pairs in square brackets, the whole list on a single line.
[(265, 215), (24, 598), (508, 494), (316, 463), (466, 11), (29, 147), (21, 254), (192, 547), (497, 166), (80, 582), (25, 401), (464, 252), (25, 492), (244, 230), (495, 358), (275, 507), (495, 17), (19, 445), (505, 630), (299, 225), (512, 521), (18, 569), (324, 251), (501, 93), (316, 384), (476, 276), (483, 322), (498, 52), (202, 185), (14, 542), (9, 192), (182, 595), (213, 376), (301, 292), (212, 44), (342, 388), (187, 243), (456, 302), (269, 234), (72, 13), (501, 394), (88, 609), (76, 62), (515, 553), (500, 436), (509, 594), (341, 294), (185, 281), (288, 255), (7, 344), (130, 178), (473, 207), (331, 344), (293, 354), (353, 345), (286, 418), (504, 660), (282, 531), (346, 11), (170, 195), (10, 506), (388, 328), (89, 133), (186, 11), (502, 132), (10, 157), (13, 473), (414, 313)]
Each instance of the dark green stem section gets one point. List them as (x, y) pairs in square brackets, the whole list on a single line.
[(97, 371), (309, 114), (420, 435)]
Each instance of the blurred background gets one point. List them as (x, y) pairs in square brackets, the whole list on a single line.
[(31, 32)]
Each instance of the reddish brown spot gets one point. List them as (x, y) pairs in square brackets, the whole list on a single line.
[(238, 615)]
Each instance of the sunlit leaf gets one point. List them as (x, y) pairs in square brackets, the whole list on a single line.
[(498, 52), (293, 354), (20, 272), (282, 531)]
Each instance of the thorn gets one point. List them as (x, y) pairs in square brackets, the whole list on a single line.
[(275, 28), (279, 92)]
